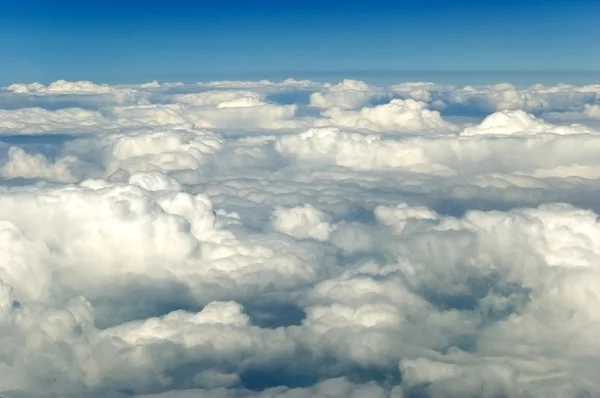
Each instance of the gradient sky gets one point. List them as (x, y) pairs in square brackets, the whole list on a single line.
[(118, 41)]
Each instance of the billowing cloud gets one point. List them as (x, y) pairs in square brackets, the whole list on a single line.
[(39, 120), (520, 122), (348, 94), (228, 112), (302, 222), (396, 116), (298, 239), (355, 151), (537, 98), (23, 164)]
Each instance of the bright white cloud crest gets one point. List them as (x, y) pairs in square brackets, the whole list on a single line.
[(298, 239)]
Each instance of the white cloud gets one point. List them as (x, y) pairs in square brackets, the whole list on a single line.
[(520, 122), (215, 97), (356, 151), (84, 91), (62, 87), (154, 181), (215, 110), (168, 150), (38, 120), (537, 98), (228, 239), (396, 116), (23, 164), (419, 91), (348, 94), (302, 222), (592, 111)]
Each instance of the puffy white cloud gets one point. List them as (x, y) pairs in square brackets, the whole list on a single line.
[(241, 112), (168, 150), (84, 92), (537, 98), (26, 165), (154, 181), (209, 111), (401, 215), (419, 91), (520, 122), (396, 116), (228, 239), (96, 110), (172, 224), (356, 151), (22, 261), (302, 222), (117, 155), (39, 120), (215, 97), (348, 94), (62, 87)]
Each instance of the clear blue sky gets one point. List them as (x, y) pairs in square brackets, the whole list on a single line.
[(130, 40)]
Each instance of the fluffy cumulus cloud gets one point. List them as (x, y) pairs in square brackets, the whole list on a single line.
[(83, 92), (302, 222), (348, 94), (297, 239), (520, 122), (26, 165), (62, 87), (396, 116), (537, 98), (40, 120)]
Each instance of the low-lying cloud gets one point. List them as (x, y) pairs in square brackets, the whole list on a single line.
[(299, 239)]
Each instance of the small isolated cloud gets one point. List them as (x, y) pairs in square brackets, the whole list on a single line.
[(85, 92), (299, 239)]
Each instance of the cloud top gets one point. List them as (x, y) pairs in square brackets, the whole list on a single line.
[(299, 239)]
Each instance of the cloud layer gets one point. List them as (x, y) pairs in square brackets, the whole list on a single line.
[(299, 239)]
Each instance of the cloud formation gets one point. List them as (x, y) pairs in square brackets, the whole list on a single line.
[(298, 239), (396, 116), (521, 123)]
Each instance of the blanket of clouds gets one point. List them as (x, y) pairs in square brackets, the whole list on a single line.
[(299, 239)]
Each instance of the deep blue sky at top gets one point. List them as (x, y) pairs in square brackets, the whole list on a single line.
[(135, 40)]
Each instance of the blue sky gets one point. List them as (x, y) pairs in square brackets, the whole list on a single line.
[(136, 41)]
